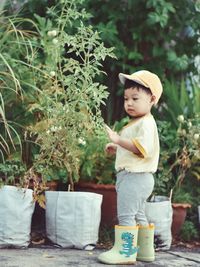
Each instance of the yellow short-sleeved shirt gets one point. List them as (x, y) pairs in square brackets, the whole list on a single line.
[(144, 134)]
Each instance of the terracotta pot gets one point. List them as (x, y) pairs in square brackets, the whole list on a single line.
[(179, 215), (52, 185), (109, 204)]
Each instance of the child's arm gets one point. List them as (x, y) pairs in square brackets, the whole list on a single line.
[(125, 143)]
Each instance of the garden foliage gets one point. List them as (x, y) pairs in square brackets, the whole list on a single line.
[(161, 36), (52, 73)]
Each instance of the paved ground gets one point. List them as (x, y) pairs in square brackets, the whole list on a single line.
[(53, 257)]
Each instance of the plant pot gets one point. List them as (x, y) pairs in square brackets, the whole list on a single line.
[(179, 215), (73, 218), (159, 212), (52, 185), (109, 204), (16, 210)]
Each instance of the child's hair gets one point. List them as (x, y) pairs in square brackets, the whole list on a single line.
[(133, 84)]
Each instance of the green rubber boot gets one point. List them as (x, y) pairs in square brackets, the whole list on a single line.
[(146, 243), (125, 248)]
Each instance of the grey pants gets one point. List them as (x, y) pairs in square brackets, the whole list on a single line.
[(132, 191)]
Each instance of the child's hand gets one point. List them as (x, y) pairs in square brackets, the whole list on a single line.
[(114, 137), (111, 148)]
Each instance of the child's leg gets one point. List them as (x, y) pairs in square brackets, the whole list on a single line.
[(140, 217), (132, 190)]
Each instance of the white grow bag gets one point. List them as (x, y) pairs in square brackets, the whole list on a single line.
[(16, 210), (73, 218), (159, 212)]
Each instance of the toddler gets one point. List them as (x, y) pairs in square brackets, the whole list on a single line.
[(137, 155)]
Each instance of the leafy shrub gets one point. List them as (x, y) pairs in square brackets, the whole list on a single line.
[(189, 231), (49, 89), (12, 172), (69, 98), (179, 156), (96, 165)]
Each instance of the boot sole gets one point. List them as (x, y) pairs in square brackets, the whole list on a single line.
[(146, 259), (119, 263)]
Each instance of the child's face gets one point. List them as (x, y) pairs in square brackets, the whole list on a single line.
[(137, 102)]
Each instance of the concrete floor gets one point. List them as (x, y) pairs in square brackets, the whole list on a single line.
[(53, 257)]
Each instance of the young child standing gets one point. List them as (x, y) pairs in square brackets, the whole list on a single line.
[(137, 155)]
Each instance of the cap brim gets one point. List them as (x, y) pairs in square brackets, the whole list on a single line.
[(123, 77)]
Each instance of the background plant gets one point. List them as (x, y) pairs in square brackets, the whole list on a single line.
[(70, 98), (164, 180), (180, 98), (49, 84), (179, 168), (188, 156), (16, 84), (189, 231), (96, 165), (170, 54), (179, 157), (19, 86), (12, 173)]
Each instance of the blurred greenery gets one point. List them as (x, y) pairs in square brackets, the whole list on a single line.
[(96, 165), (160, 36), (12, 173), (189, 231), (179, 99), (179, 155)]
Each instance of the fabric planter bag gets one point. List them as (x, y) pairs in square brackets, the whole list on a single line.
[(159, 212), (16, 210), (73, 218)]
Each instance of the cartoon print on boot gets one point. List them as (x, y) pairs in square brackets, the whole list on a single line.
[(128, 248)]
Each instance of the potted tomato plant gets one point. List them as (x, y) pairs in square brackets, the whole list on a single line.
[(68, 105)]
